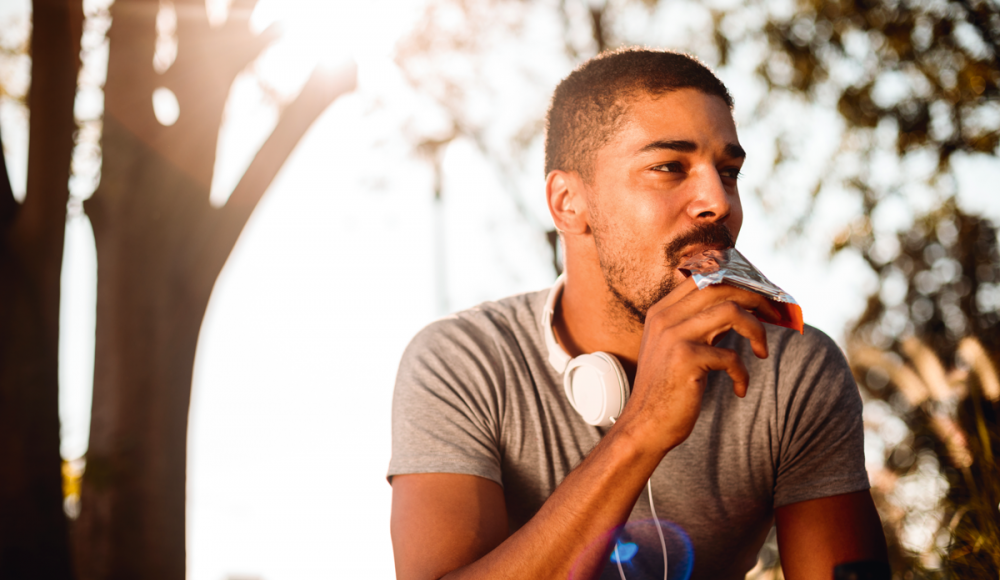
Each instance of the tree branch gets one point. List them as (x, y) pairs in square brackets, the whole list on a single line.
[(597, 28), (8, 205), (55, 63), (322, 88)]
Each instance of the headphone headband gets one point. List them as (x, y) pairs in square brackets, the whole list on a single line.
[(558, 358)]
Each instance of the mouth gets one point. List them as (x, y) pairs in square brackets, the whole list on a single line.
[(701, 241), (697, 250)]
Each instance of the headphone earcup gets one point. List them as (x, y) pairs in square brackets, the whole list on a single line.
[(597, 387)]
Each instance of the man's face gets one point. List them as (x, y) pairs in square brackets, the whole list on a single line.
[(662, 189)]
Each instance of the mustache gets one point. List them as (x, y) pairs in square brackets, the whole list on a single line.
[(710, 234)]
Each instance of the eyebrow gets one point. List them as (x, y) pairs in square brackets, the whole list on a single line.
[(731, 149), (735, 151)]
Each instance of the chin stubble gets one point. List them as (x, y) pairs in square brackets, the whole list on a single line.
[(615, 275)]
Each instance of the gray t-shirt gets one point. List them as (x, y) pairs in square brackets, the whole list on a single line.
[(475, 394)]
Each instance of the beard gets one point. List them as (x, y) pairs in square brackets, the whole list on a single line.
[(623, 270)]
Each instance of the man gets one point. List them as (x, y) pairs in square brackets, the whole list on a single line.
[(494, 473)]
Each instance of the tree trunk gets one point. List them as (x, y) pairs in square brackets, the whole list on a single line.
[(33, 527), (160, 247)]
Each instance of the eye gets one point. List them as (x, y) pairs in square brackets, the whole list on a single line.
[(672, 167), (730, 173)]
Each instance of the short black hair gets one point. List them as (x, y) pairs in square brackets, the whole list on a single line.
[(588, 106)]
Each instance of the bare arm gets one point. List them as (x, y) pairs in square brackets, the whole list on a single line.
[(465, 515), (815, 536), (454, 526), (455, 523)]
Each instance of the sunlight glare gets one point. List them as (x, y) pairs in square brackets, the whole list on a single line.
[(217, 12), (166, 37), (332, 36), (328, 32)]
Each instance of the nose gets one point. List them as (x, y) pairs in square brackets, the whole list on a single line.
[(710, 201)]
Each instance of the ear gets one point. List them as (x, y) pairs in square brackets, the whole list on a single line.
[(567, 202)]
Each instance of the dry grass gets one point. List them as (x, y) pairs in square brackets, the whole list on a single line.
[(951, 415)]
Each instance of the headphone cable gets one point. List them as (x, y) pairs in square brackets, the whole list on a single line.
[(656, 520), (663, 541)]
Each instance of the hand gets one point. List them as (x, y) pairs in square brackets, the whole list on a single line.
[(677, 352)]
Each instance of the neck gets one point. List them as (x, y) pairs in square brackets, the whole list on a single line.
[(588, 317)]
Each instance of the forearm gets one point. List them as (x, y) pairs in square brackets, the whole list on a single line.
[(573, 529)]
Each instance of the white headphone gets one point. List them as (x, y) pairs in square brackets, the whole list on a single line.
[(595, 384)]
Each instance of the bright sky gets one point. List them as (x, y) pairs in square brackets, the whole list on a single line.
[(333, 274)]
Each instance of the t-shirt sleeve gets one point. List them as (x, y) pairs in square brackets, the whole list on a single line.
[(822, 434), (446, 402)]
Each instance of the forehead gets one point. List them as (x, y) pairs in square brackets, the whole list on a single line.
[(682, 115)]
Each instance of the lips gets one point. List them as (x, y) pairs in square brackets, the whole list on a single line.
[(705, 237), (702, 250)]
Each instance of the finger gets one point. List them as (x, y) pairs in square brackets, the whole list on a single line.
[(706, 298), (750, 301), (682, 290), (712, 358), (712, 323)]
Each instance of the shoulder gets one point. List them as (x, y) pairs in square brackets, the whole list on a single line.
[(811, 371), (458, 369), (451, 390), (803, 369), (819, 427), (810, 352), (791, 343)]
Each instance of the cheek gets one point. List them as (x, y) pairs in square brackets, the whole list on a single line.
[(735, 221), (658, 217)]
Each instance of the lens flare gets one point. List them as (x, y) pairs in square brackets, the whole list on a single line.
[(638, 553), (623, 552)]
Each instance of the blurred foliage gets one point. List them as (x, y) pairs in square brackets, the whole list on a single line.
[(928, 67), (923, 73), (15, 60), (925, 353), (940, 280)]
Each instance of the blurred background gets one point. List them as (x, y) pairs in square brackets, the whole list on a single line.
[(223, 221)]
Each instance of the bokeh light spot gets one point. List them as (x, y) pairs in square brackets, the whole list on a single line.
[(165, 106)]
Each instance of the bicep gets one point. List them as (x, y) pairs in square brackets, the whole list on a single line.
[(816, 535), (443, 521)]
